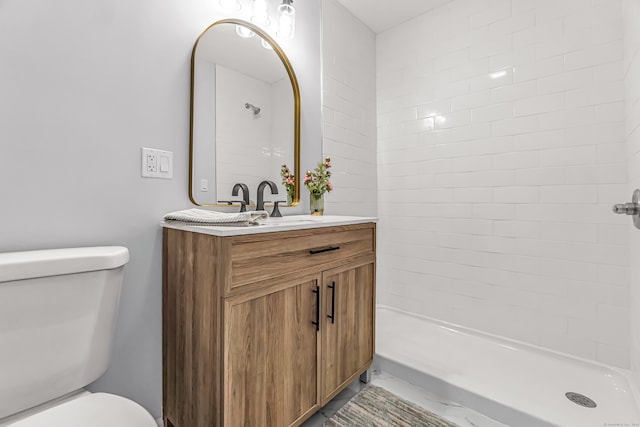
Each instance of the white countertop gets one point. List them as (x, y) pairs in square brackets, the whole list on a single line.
[(286, 223)]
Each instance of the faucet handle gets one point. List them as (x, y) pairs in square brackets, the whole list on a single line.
[(276, 211), (243, 204)]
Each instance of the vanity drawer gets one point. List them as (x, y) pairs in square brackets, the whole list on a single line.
[(265, 256)]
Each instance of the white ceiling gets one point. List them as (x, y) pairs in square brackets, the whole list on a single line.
[(380, 15)]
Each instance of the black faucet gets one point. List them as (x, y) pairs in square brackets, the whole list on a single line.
[(274, 190), (245, 195), (243, 205)]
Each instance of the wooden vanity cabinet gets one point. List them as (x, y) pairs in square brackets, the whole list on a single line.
[(348, 333), (271, 361), (264, 329)]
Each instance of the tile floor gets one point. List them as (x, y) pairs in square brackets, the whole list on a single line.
[(464, 417)]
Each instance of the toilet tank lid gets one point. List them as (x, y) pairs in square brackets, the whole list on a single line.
[(55, 262)]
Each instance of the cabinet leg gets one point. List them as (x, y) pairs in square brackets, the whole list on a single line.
[(365, 377)]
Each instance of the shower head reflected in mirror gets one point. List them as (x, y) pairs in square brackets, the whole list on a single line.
[(256, 110)]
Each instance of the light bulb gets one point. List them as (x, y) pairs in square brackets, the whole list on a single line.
[(261, 13), (266, 45), (244, 32), (230, 4), (286, 20)]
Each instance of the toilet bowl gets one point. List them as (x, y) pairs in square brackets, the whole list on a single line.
[(87, 410), (57, 316)]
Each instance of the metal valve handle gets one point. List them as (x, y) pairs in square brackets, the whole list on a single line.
[(626, 209), (632, 208)]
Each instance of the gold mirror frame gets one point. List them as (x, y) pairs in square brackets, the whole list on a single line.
[(296, 99)]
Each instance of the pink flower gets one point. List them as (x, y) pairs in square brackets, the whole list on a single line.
[(287, 176), (318, 181)]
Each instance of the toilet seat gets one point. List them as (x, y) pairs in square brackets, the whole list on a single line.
[(95, 410)]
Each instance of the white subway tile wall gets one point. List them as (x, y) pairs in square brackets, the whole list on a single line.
[(501, 146), (349, 112), (631, 13)]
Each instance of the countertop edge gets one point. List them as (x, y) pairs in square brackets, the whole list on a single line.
[(311, 222)]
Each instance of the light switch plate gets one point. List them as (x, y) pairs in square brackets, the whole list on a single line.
[(157, 163)]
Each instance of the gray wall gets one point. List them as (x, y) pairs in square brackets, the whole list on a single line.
[(349, 111), (83, 85)]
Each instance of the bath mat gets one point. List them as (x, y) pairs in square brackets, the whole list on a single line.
[(376, 407)]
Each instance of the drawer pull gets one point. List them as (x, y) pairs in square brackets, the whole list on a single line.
[(332, 316), (319, 251), (317, 322)]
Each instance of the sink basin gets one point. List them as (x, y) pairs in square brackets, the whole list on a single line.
[(289, 223), (291, 220)]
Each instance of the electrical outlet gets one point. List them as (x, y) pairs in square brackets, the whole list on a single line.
[(152, 162), (157, 163)]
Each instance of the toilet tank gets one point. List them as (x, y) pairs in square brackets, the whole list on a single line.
[(57, 315)]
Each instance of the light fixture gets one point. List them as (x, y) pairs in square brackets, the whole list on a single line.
[(244, 32), (266, 45), (286, 20), (230, 4), (260, 14)]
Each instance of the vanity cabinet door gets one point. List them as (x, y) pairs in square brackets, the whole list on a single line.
[(348, 325), (272, 356)]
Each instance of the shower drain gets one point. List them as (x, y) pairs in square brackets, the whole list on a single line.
[(580, 399)]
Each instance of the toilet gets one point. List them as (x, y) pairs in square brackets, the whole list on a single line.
[(58, 311)]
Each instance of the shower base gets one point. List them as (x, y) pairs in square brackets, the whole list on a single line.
[(513, 382)]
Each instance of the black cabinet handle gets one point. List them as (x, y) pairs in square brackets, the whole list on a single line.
[(319, 251), (332, 316), (317, 322)]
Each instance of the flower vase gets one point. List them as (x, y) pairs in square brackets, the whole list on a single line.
[(316, 204), (289, 198)]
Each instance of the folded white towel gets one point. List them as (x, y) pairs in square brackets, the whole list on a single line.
[(201, 216)]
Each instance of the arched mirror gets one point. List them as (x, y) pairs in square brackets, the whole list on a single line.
[(245, 114)]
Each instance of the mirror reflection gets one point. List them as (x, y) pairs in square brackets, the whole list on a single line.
[(245, 114)]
